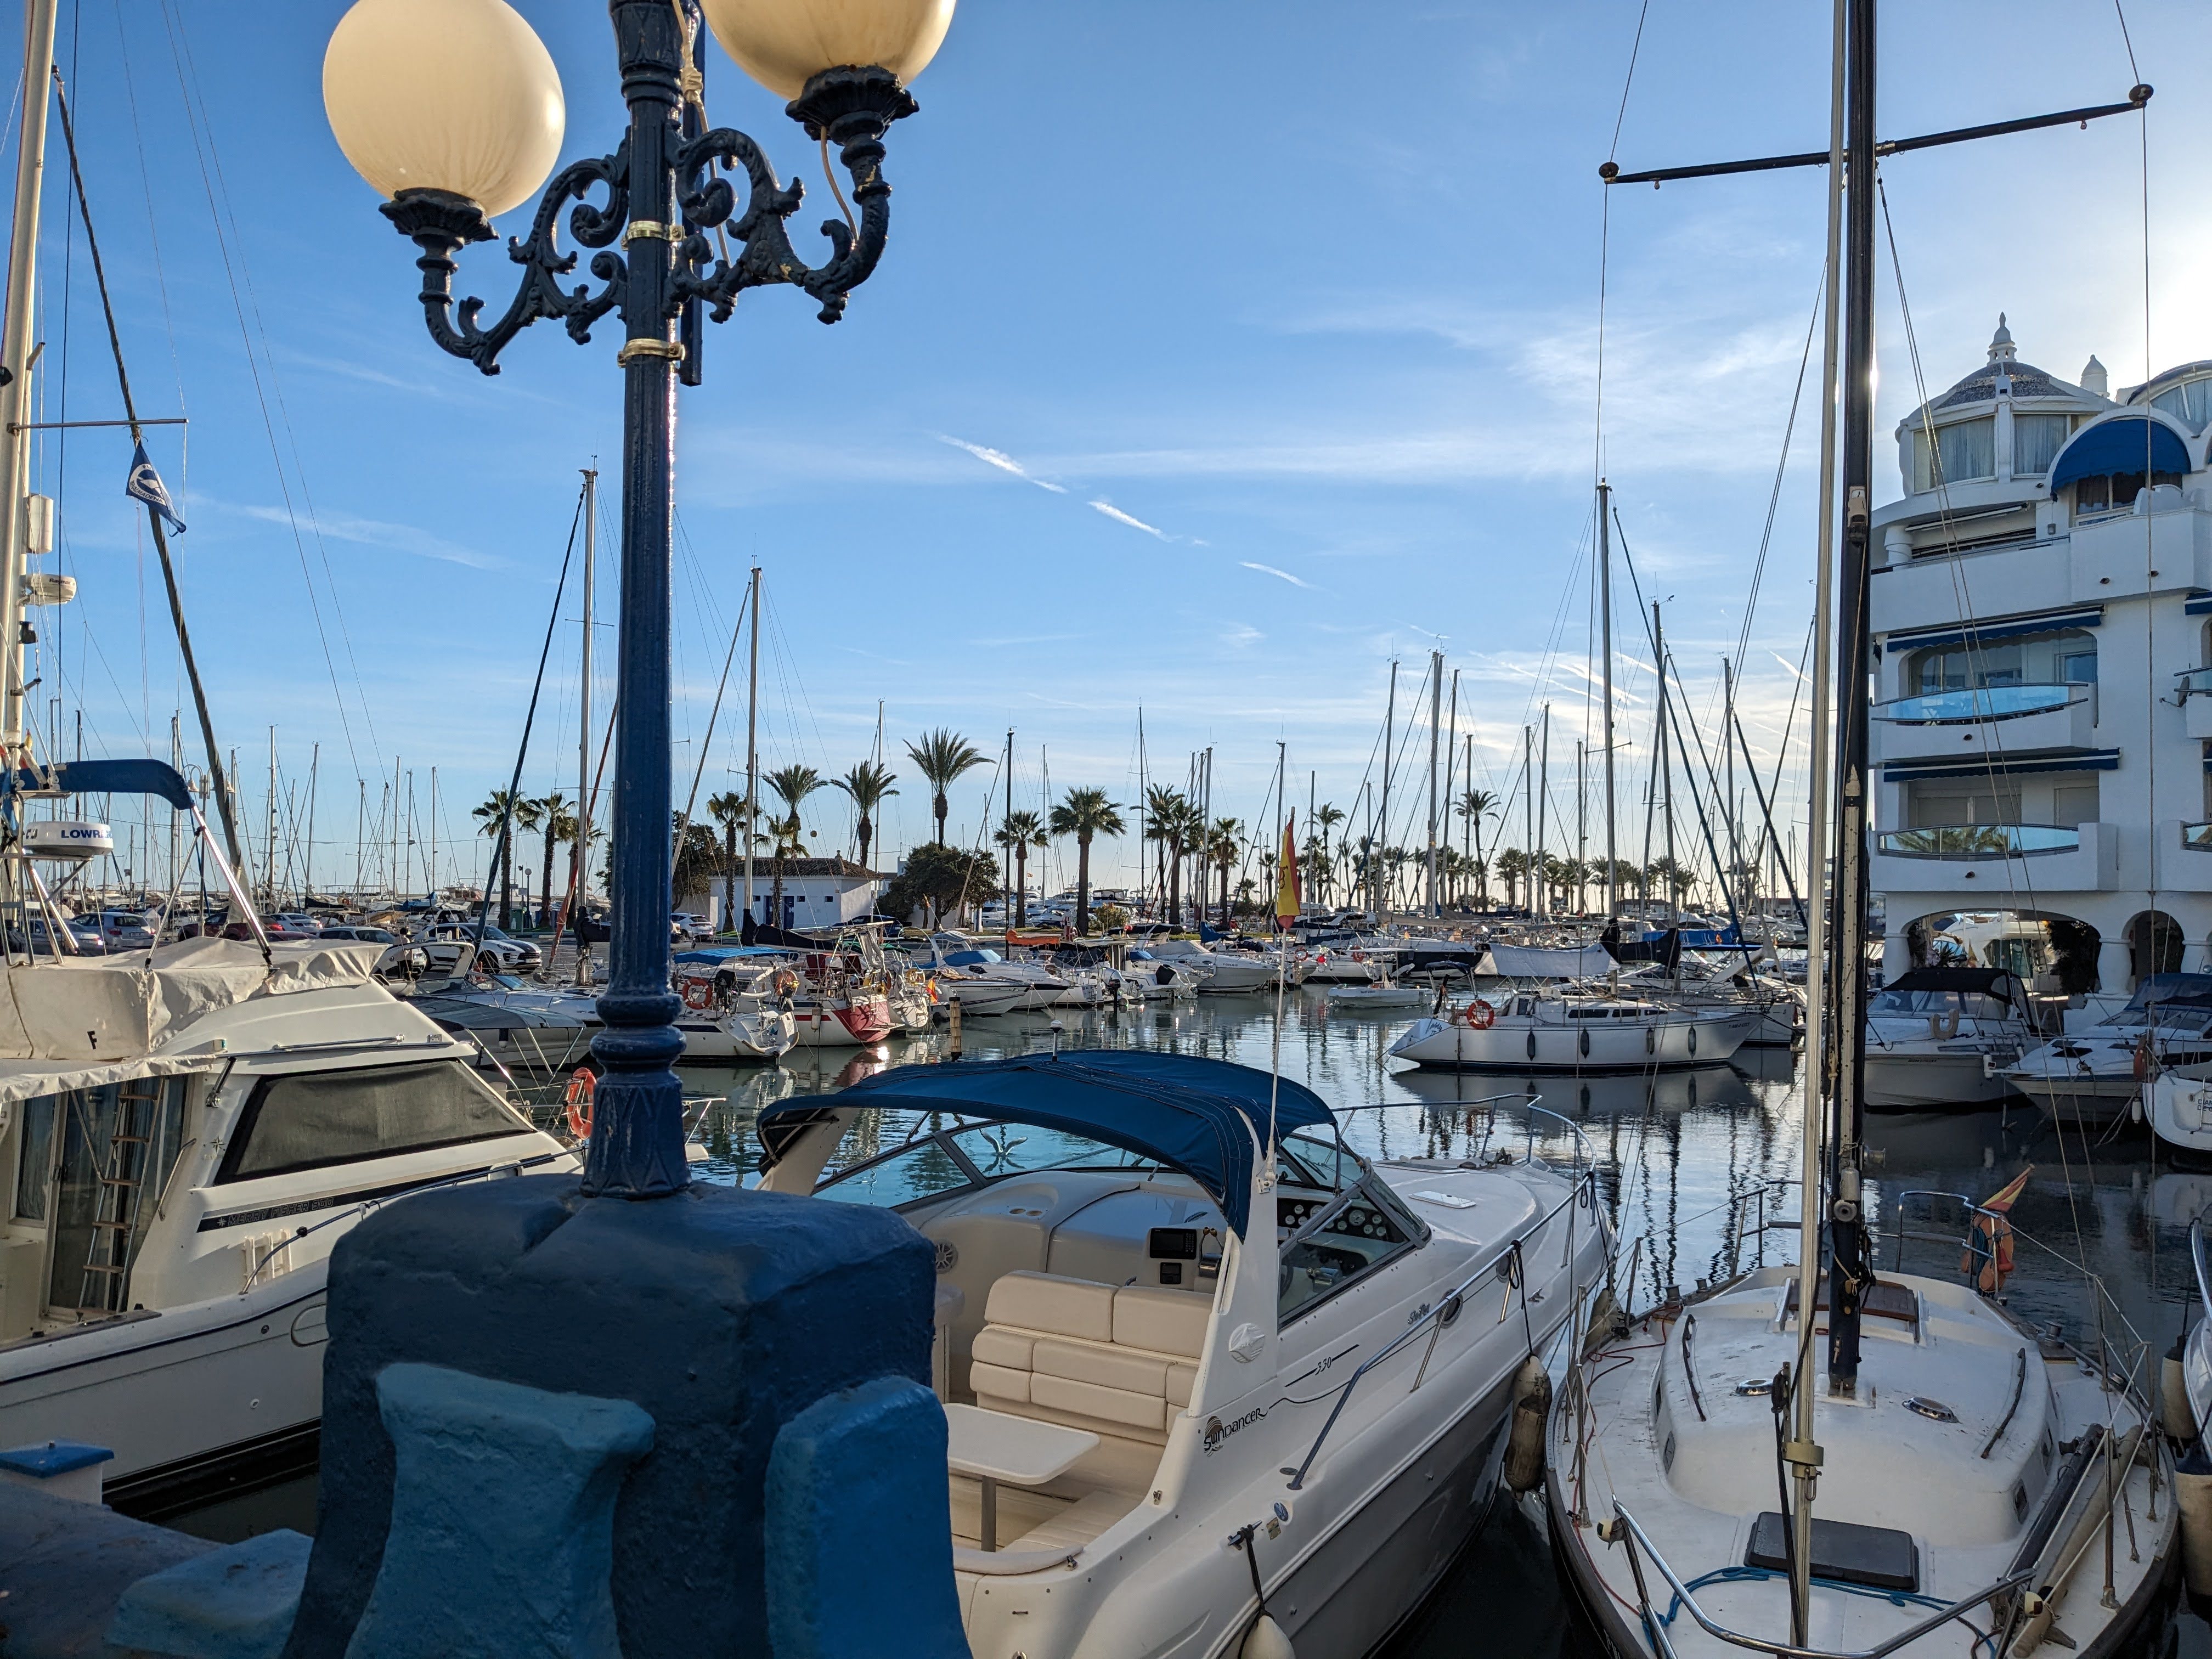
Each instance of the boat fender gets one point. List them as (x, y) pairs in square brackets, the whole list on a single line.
[(2193, 1496), (579, 1102), (1265, 1640), (2177, 1418), (1532, 1407)]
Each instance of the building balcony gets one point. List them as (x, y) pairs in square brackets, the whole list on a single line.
[(1938, 588), (1996, 720), (2129, 553), (1998, 859), (2193, 686), (2184, 864)]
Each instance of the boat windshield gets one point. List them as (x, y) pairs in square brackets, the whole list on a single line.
[(969, 959), (1970, 1004)]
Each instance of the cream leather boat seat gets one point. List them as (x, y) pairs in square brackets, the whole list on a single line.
[(1118, 1361)]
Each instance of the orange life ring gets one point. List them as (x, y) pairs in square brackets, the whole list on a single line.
[(1480, 1015), (581, 1083), (698, 995), (1359, 955)]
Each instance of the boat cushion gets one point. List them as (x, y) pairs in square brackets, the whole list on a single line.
[(1166, 1321), (1108, 1367), (1116, 1405), (1045, 1301)]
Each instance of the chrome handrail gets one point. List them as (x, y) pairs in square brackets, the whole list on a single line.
[(1451, 1299), (1786, 1649), (2203, 1269)]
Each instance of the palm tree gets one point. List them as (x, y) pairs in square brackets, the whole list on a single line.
[(1512, 865), (1084, 814), (1221, 851), (942, 757), (1179, 827), (867, 784), (1022, 831), (1163, 806), (1474, 806), (502, 811), (552, 814), (1325, 818), (794, 783)]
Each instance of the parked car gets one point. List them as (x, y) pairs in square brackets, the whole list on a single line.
[(83, 938), (125, 930), (302, 922), (500, 950), (684, 926), (347, 932), (278, 928)]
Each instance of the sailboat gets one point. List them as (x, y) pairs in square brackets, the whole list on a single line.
[(1934, 1475)]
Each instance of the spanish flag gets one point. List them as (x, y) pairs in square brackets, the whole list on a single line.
[(1288, 887)]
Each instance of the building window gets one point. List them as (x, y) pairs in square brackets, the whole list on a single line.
[(2078, 667), (1964, 450), (2063, 657), (2116, 491), (1949, 802), (2036, 442), (2190, 401), (2073, 804)]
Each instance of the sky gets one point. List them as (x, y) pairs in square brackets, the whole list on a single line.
[(1221, 357)]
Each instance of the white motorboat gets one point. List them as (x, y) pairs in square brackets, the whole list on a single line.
[(1036, 985), (1965, 1493), (731, 1012), (1296, 1370), (1574, 1033), (1233, 973), (183, 1136), (1381, 995), (1158, 978), (2096, 1075), (1942, 1038), (1343, 964)]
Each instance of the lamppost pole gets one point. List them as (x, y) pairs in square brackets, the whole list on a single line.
[(675, 246)]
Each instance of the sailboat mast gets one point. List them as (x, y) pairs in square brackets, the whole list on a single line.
[(1666, 769), (16, 349), (1604, 654), (1728, 753), (1377, 854), (582, 846), (1006, 836), (1847, 1242), (1435, 722), (1543, 807), (269, 851), (1802, 1454), (752, 742), (314, 767), (1528, 819)]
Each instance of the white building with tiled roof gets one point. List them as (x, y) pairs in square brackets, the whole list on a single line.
[(2040, 603)]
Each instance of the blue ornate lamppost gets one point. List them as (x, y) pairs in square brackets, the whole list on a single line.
[(453, 110)]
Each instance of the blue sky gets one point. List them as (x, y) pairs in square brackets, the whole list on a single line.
[(1220, 354)]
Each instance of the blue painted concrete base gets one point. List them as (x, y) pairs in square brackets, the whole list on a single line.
[(235, 1602), (65, 1563), (721, 1314), (859, 1541)]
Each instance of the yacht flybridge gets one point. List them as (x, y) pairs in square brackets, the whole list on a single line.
[(1180, 1356)]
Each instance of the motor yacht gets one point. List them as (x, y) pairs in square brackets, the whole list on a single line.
[(1574, 1033), (2095, 1075), (1233, 973), (733, 1011), (185, 1135), (1237, 1355), (1037, 986), (1942, 1038), (1158, 978)]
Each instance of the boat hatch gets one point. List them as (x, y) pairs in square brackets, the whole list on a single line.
[(1886, 1301), (1881, 1557)]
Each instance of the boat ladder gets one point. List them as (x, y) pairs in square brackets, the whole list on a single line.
[(117, 1199)]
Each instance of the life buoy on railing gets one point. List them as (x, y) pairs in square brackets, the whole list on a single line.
[(698, 995), (581, 1083), (1480, 1015), (1359, 955), (786, 981)]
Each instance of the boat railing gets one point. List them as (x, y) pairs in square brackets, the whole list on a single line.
[(1979, 1247), (1507, 1264), (2196, 1257), (1627, 1531)]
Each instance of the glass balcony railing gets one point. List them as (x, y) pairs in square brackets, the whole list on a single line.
[(1978, 840), (1990, 702), (2198, 836), (2195, 681)]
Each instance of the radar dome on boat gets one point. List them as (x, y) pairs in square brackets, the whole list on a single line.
[(74, 838)]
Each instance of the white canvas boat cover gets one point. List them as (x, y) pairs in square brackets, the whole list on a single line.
[(106, 1010), (26, 1079), (1549, 962)]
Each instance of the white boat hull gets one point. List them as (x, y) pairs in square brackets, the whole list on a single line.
[(1523, 1044), (1927, 1075)]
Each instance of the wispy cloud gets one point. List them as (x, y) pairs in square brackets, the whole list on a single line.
[(374, 532), (1241, 635), (1120, 517), (1281, 576), (1004, 462)]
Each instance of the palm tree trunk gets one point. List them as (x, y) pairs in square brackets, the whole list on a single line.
[(1175, 892), (939, 805), (864, 834), (1021, 884), (545, 883), (501, 856), (1082, 885)]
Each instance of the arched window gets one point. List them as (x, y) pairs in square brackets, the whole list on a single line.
[(1964, 450), (2190, 402)]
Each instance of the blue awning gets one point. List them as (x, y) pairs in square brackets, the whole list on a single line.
[(116, 777), (1981, 632), (2075, 760), (1201, 1116), (2119, 446)]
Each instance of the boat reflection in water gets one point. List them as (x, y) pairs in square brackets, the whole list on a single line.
[(1601, 1095)]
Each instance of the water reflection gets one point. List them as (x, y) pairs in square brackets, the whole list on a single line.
[(1697, 1168)]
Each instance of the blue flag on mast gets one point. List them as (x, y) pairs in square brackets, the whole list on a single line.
[(146, 485)]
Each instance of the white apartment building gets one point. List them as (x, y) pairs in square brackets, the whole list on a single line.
[(2041, 607)]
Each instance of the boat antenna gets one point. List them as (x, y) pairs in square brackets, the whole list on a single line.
[(1286, 893)]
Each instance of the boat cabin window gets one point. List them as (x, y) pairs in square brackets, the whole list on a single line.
[(311, 1120), (1339, 1243), (120, 1140), (34, 1162), (936, 1160), (1972, 1005)]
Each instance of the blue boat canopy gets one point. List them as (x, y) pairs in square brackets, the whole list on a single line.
[(2119, 446), (1200, 1116), (116, 777)]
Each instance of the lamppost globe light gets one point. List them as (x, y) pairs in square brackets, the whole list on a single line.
[(452, 95), (784, 44)]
